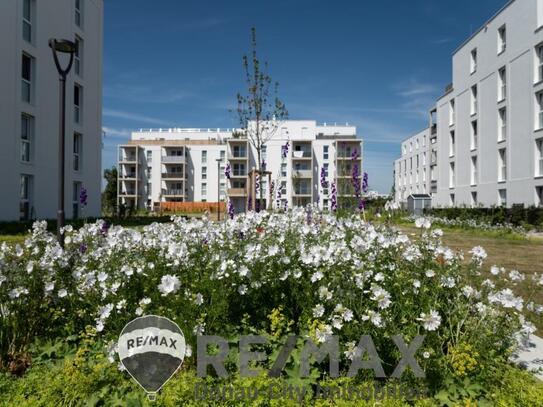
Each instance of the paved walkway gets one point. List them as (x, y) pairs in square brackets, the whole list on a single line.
[(530, 355)]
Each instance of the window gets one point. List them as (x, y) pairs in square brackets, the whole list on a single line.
[(204, 157), (502, 197), (410, 146), (502, 165), (451, 112), (76, 191), (424, 175), (78, 98), (474, 173), (204, 188), (27, 20), (473, 61), (502, 84), (424, 158), (417, 144), (474, 135), (474, 106), (502, 132), (424, 141), (204, 172), (540, 110), (78, 13), (149, 156), (473, 198), (222, 155), (25, 197), (239, 151), (238, 169), (451, 143), (539, 196), (78, 56), (26, 77), (451, 199), (417, 161), (502, 39), (451, 175), (325, 152), (417, 176), (283, 169), (78, 147), (539, 159), (27, 131), (539, 61), (325, 166)]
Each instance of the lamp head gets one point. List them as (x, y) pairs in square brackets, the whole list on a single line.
[(63, 46)]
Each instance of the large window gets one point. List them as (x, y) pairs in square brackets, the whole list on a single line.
[(78, 56), (77, 150), (473, 61), (25, 197), (502, 39), (27, 68), (474, 172), (27, 20), (502, 165), (27, 136), (474, 104), (502, 84), (502, 124), (79, 13), (474, 135), (539, 158), (78, 101)]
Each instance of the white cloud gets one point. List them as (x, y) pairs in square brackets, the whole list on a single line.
[(119, 114)]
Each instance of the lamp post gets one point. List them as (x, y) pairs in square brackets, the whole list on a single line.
[(62, 47), (218, 189)]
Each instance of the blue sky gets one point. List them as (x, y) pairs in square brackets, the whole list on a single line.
[(376, 64)]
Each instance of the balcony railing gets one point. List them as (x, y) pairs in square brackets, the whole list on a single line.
[(240, 155), (128, 192), (172, 175), (129, 175), (175, 159), (172, 192), (300, 154), (127, 158), (303, 173), (237, 192), (239, 173)]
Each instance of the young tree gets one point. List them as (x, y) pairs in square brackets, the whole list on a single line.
[(259, 109), (109, 196)]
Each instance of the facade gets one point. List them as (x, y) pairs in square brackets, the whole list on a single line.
[(412, 172), (489, 122), (29, 107), (180, 165)]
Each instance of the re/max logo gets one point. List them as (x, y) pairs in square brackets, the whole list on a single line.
[(155, 340)]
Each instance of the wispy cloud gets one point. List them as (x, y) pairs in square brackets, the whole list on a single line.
[(136, 117), (111, 132), (440, 41), (414, 88)]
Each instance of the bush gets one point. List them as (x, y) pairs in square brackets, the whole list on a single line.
[(517, 215)]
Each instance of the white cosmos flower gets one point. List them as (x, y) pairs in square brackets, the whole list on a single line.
[(430, 321), (169, 284), (318, 311)]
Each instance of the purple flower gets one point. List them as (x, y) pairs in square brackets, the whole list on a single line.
[(104, 228), (324, 182), (257, 205), (227, 171), (333, 198), (278, 198), (230, 209), (365, 183), (284, 150), (82, 248), (83, 196), (263, 165)]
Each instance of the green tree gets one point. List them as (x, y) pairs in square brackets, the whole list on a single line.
[(109, 195), (259, 110)]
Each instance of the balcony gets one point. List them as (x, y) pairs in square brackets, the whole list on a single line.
[(129, 175), (302, 173), (241, 173), (237, 192), (173, 159), (172, 192), (173, 175), (301, 155), (127, 158), (128, 192), (302, 192)]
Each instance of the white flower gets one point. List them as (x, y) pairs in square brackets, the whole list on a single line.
[(62, 293), (2, 279), (381, 296), (337, 322), (188, 351), (318, 311), (49, 287), (423, 223), (426, 355), (145, 301), (430, 321), (139, 311), (347, 315), (494, 270), (430, 273), (323, 334), (316, 276), (169, 284), (242, 289), (199, 299), (416, 283), (243, 271), (102, 276)]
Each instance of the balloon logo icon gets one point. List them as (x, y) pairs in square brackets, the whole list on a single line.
[(151, 349)]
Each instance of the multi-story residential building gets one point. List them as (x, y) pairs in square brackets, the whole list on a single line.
[(488, 125), (181, 165), (29, 107), (412, 171)]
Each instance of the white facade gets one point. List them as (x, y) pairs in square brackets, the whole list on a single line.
[(29, 107), (183, 165), (412, 172), (490, 120)]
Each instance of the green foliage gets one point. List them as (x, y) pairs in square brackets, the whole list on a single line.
[(109, 195)]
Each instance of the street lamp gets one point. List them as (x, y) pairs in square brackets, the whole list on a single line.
[(219, 160), (62, 47)]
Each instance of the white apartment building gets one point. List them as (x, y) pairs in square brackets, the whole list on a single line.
[(490, 120), (29, 107), (165, 165), (412, 172)]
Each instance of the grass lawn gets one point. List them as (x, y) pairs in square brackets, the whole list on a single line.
[(12, 238)]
